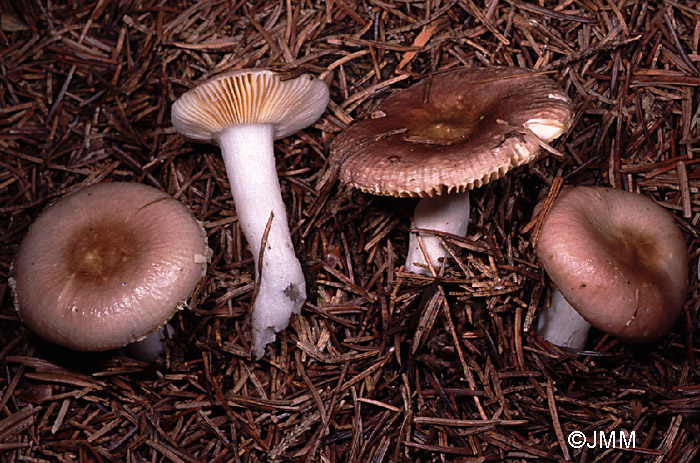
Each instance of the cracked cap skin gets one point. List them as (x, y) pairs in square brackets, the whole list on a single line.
[(454, 131)]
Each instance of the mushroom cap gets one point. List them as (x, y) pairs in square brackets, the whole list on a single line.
[(249, 96), (618, 258), (107, 265), (451, 138)]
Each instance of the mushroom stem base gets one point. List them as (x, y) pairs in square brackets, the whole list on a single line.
[(447, 213), (248, 152), (152, 346), (562, 325)]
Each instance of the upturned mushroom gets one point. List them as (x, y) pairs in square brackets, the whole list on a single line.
[(454, 131), (243, 112), (619, 263), (107, 265)]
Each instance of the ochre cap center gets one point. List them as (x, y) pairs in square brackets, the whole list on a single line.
[(445, 126), (98, 253)]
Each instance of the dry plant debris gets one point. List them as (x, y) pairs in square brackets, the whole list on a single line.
[(382, 365)]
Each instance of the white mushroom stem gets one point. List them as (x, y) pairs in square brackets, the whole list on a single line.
[(152, 346), (447, 213), (562, 325), (248, 151)]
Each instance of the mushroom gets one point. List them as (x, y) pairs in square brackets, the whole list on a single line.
[(107, 265), (243, 112), (619, 262), (452, 132)]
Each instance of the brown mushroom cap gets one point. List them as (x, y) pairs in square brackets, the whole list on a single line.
[(107, 265), (249, 96), (618, 258), (451, 138)]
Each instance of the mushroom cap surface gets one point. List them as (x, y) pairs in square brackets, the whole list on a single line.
[(449, 136), (249, 96), (618, 258), (107, 265)]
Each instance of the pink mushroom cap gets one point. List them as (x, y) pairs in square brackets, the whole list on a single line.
[(107, 265), (618, 258)]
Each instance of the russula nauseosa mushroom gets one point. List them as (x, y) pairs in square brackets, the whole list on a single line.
[(243, 112), (619, 262), (107, 265), (454, 131)]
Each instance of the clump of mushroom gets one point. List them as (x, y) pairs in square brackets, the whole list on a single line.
[(107, 265), (452, 132), (243, 112), (619, 263)]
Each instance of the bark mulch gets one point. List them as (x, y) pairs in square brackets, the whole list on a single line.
[(382, 365)]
